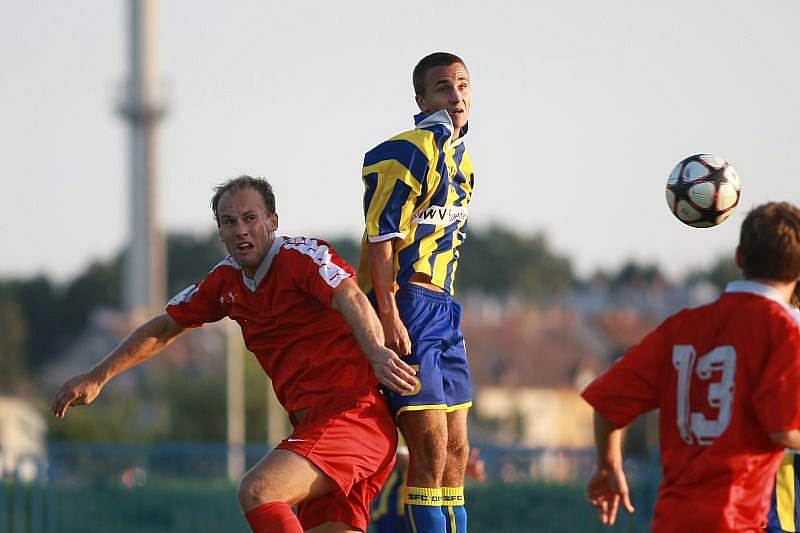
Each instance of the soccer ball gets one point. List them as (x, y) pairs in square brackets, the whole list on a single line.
[(703, 190)]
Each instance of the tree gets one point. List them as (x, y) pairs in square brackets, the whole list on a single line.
[(720, 273), (502, 262), (13, 337)]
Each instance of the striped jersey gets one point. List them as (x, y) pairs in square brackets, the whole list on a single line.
[(784, 512), (418, 185)]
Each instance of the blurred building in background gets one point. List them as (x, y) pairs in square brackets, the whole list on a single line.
[(22, 439)]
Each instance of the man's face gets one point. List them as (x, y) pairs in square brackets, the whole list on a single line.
[(447, 88), (246, 227)]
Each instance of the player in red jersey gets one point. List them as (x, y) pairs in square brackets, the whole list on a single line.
[(726, 378), (310, 327)]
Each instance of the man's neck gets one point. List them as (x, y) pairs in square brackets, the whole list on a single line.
[(250, 272)]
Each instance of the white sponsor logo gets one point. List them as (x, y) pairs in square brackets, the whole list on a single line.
[(332, 273), (184, 296), (440, 216)]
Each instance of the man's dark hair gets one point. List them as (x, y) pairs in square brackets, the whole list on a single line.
[(770, 242), (436, 59), (244, 182)]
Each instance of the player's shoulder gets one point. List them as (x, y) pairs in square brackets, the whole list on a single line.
[(747, 307), (221, 275), (760, 308), (299, 248), (226, 269), (403, 146)]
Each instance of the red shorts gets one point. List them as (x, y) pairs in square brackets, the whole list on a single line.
[(353, 442)]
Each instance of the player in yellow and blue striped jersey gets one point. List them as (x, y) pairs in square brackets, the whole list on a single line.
[(784, 511), (418, 186)]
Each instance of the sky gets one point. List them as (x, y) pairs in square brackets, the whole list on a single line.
[(580, 111)]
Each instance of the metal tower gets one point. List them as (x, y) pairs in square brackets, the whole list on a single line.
[(142, 106)]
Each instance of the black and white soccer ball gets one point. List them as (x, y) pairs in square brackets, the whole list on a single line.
[(703, 190)]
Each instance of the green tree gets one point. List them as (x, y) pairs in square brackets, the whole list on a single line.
[(500, 261), (13, 337), (633, 273), (720, 273)]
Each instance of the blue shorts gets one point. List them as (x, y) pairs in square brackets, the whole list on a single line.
[(438, 354)]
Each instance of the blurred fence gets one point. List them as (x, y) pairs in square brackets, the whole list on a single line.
[(185, 487)]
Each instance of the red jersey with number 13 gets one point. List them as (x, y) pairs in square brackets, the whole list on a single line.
[(285, 313), (724, 376)]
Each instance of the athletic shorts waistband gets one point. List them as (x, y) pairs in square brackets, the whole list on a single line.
[(428, 294)]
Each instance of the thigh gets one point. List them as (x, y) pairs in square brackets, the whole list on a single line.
[(424, 320), (286, 476), (424, 430), (337, 511), (454, 366), (349, 440), (457, 428)]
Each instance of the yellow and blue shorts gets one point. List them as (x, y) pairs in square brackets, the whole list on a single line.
[(438, 353)]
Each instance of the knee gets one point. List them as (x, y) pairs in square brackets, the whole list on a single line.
[(458, 448), (254, 492), (429, 453)]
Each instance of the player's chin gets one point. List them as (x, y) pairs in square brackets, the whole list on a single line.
[(459, 120), (246, 258)]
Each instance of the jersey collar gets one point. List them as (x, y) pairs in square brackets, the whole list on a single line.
[(440, 118), (759, 289), (254, 282)]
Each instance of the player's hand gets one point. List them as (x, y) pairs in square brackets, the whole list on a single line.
[(391, 371), (476, 468), (79, 390), (606, 488), (396, 335)]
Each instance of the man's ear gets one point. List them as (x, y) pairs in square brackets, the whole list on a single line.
[(272, 223), (739, 258), (420, 103)]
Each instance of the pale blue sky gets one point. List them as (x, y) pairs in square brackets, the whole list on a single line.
[(580, 111)]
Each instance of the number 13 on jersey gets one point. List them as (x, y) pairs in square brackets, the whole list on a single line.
[(720, 365)]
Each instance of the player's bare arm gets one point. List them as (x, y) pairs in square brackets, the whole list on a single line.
[(381, 262), (390, 370), (147, 341), (788, 439), (608, 484)]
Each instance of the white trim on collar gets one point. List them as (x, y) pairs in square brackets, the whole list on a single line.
[(253, 283), (754, 287), (765, 291), (441, 117)]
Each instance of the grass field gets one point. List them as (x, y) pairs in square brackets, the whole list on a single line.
[(205, 506)]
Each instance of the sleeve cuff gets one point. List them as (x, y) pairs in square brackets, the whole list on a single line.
[(387, 237), (170, 310), (618, 421)]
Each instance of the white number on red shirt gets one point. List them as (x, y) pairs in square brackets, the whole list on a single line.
[(695, 428)]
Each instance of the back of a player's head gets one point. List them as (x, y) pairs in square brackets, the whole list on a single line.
[(436, 59), (769, 243), (244, 182)]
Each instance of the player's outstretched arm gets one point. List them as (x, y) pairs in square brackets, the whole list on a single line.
[(390, 370), (380, 256), (148, 340), (608, 485)]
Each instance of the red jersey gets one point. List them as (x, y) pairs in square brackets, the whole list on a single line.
[(724, 376), (285, 313)]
